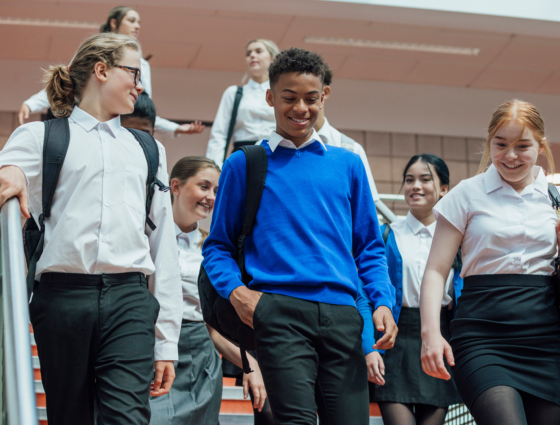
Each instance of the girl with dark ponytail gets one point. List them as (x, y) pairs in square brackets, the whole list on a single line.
[(405, 394), (99, 330), (121, 20)]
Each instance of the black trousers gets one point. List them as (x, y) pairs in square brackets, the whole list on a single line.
[(312, 361), (95, 336)]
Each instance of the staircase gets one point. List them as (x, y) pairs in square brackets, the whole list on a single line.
[(234, 409)]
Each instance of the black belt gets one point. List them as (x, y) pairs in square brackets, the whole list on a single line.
[(52, 278), (483, 280)]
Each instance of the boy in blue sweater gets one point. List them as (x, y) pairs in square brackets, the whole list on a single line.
[(315, 240)]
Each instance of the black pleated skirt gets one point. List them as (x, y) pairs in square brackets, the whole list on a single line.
[(405, 381), (506, 331)]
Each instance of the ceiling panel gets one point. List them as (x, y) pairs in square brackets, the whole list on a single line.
[(551, 85), (219, 57), (170, 55), (531, 52), (443, 73), (368, 69), (516, 79), (15, 43)]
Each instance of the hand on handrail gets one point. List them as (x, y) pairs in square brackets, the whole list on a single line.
[(13, 183)]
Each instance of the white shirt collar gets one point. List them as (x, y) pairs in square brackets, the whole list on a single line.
[(326, 133), (494, 181), (275, 139), (252, 84), (416, 226), (88, 123), (189, 237)]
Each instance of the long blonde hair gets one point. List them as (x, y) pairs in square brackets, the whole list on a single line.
[(65, 84), (525, 114)]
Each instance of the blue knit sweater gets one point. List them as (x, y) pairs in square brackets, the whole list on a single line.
[(316, 232)]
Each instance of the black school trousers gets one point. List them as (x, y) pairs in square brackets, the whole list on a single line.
[(95, 336), (312, 361)]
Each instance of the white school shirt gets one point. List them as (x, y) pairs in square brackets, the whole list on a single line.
[(255, 119), (190, 259), (504, 232), (414, 241), (39, 101), (331, 136), (97, 223)]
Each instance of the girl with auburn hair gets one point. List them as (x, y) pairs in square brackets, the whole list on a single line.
[(505, 336), (254, 119), (196, 395), (92, 312), (121, 20), (405, 394)]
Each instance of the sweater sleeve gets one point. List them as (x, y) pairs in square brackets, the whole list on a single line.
[(366, 311), (220, 247), (367, 242)]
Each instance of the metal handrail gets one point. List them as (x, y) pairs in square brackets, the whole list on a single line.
[(20, 390)]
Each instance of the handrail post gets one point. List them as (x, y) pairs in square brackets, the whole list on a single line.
[(20, 390)]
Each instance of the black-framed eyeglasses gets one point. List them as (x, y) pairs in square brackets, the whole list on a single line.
[(137, 76)]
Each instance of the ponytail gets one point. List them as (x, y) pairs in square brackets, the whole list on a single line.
[(60, 90)]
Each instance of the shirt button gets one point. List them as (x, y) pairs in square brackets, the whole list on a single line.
[(519, 200), (103, 239), (522, 244), (107, 204)]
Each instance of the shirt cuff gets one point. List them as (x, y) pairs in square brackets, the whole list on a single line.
[(226, 292), (166, 351)]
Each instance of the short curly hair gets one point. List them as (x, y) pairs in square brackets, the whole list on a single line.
[(296, 60), (327, 75)]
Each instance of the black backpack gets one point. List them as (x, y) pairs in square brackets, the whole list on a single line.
[(216, 310), (55, 146)]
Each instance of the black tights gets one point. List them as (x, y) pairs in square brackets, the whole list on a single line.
[(503, 405), (264, 417), (411, 414)]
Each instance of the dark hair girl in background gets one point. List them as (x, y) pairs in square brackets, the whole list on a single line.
[(406, 395)]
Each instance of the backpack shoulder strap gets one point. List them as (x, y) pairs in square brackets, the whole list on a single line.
[(236, 102), (151, 152), (554, 195), (55, 147), (386, 233), (257, 164)]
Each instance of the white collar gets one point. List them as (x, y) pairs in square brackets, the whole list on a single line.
[(326, 132), (88, 123), (416, 226), (252, 84), (189, 237), (275, 139), (493, 180)]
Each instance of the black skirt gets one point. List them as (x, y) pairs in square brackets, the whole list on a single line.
[(405, 381), (506, 331)]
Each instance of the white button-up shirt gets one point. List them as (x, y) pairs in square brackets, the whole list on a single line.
[(97, 223), (504, 232), (255, 119), (414, 241), (190, 259), (331, 136), (40, 101)]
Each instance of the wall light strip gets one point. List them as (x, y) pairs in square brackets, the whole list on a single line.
[(394, 45), (49, 23)]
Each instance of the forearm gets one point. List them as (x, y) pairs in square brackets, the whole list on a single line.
[(431, 295), (226, 348)]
